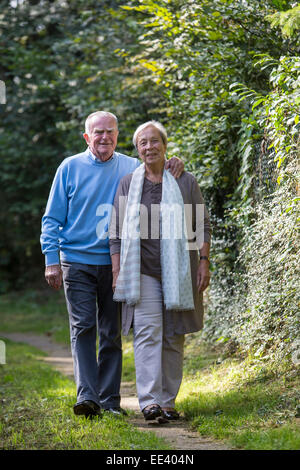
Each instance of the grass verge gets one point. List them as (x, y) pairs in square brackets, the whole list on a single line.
[(36, 311), (252, 403), (36, 411)]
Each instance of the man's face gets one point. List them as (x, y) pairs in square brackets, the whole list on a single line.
[(103, 136)]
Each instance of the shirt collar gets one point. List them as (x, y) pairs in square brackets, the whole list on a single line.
[(97, 159)]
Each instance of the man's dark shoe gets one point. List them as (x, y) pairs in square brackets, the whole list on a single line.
[(87, 408), (117, 411)]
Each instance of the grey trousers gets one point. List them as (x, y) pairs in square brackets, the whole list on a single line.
[(89, 297), (158, 357)]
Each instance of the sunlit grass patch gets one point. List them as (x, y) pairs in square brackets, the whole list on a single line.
[(128, 369), (248, 402), (286, 437)]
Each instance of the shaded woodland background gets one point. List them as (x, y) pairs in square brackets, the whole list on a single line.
[(223, 76)]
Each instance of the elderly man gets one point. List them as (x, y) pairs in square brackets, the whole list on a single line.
[(74, 241)]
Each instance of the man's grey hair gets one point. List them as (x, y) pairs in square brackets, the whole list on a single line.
[(98, 113), (159, 127)]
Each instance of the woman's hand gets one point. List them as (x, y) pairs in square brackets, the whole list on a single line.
[(115, 278), (115, 261), (203, 275)]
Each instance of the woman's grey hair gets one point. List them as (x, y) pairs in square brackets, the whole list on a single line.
[(158, 126), (98, 113)]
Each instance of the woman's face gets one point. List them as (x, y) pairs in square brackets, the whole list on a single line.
[(150, 146)]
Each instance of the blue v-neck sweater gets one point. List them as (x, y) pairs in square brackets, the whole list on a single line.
[(75, 223)]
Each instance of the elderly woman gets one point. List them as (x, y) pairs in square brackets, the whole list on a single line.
[(157, 274)]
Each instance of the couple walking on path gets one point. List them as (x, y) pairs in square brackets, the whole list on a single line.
[(156, 280)]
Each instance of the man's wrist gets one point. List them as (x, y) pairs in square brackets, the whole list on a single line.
[(204, 258), (51, 258)]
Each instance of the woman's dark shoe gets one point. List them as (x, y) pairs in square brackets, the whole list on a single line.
[(152, 412), (170, 414)]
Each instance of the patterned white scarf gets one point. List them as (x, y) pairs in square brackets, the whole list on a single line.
[(175, 259)]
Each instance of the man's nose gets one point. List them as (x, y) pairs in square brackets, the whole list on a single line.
[(105, 135)]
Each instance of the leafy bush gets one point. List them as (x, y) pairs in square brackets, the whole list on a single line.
[(262, 308)]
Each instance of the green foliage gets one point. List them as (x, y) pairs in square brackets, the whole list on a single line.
[(262, 311), (288, 21), (192, 52), (269, 321), (273, 286), (281, 113), (223, 80)]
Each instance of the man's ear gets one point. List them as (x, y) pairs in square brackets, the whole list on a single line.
[(86, 138)]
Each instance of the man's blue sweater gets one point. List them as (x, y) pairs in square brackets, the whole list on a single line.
[(78, 211)]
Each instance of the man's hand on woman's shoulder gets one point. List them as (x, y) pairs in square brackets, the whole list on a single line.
[(176, 166)]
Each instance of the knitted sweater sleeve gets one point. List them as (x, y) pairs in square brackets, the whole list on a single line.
[(54, 218)]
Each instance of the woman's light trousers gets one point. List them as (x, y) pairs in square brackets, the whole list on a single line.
[(158, 357)]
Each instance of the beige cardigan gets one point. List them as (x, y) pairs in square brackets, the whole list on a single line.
[(175, 322)]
